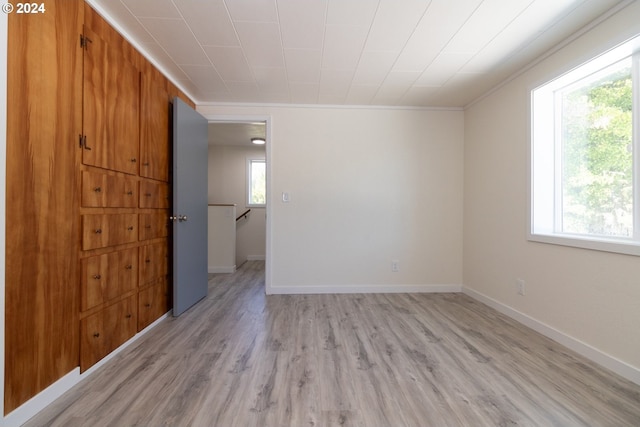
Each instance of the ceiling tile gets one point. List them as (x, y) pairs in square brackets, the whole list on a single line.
[(394, 88), (230, 62), (436, 28), (152, 8), (242, 90), (488, 20), (343, 46), (418, 96), (458, 89), (361, 94), (252, 10), (206, 78), (302, 23), (261, 43), (303, 65), (521, 31), (302, 93), (209, 21), (374, 67), (352, 12), (401, 78), (128, 22), (176, 38), (393, 25), (165, 61), (271, 79), (335, 83), (442, 68), (404, 52)]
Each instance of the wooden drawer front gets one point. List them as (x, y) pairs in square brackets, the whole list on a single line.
[(153, 225), (99, 231), (108, 191), (103, 332), (108, 276), (154, 195), (153, 262), (152, 303)]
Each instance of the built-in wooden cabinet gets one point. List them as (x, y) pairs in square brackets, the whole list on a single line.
[(111, 106), (106, 277), (102, 190), (88, 195), (125, 188), (107, 329), (152, 301), (154, 121), (154, 195)]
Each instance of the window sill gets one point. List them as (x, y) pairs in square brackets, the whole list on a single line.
[(596, 244)]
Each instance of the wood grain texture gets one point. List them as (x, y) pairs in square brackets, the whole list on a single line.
[(44, 119), (111, 106), (239, 358), (154, 129), (106, 277)]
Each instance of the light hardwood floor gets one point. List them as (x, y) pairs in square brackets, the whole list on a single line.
[(240, 358)]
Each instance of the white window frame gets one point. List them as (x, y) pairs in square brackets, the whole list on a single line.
[(544, 151), (251, 160)]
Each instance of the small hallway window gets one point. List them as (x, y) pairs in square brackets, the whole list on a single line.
[(256, 183)]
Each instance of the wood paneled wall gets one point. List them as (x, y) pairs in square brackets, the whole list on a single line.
[(44, 119), (44, 123)]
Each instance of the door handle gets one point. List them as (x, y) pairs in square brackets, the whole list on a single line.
[(182, 218)]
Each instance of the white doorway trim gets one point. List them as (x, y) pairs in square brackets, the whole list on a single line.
[(220, 118)]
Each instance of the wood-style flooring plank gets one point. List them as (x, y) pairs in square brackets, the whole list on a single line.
[(240, 358)]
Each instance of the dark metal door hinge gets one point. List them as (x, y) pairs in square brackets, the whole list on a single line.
[(83, 142), (84, 41)]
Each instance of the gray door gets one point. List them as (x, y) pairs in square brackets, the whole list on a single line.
[(190, 151)]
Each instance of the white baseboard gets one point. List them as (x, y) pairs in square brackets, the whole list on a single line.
[(607, 361), (255, 257), (222, 269), (363, 289), (37, 403)]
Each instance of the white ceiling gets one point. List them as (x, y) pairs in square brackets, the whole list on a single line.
[(438, 53), (236, 134)]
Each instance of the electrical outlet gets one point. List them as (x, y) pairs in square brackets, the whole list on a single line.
[(395, 266), (520, 286)]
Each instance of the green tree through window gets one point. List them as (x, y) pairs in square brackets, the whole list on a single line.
[(597, 158)]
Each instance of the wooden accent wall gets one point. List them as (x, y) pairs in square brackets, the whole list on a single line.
[(44, 119), (44, 177)]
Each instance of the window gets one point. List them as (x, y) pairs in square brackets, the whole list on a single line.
[(256, 183), (585, 152)]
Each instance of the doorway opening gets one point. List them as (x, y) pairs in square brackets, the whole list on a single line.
[(239, 193)]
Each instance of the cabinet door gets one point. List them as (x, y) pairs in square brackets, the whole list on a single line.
[(154, 194), (153, 262), (106, 330), (111, 106), (100, 190), (154, 225), (102, 230), (108, 276), (152, 303), (154, 130)]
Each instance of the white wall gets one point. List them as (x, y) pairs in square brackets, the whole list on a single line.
[(228, 184), (221, 239), (591, 298), (367, 186)]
